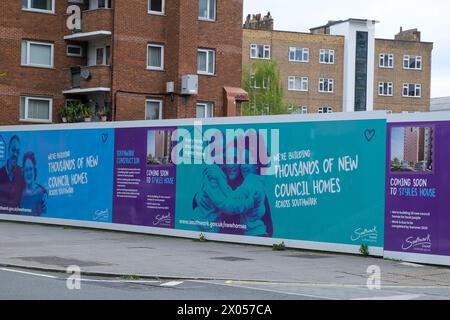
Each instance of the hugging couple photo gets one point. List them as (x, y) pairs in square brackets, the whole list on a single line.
[(19, 191), (234, 194)]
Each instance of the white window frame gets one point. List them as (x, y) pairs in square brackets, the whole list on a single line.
[(207, 72), (158, 13), (253, 83), (293, 79), (28, 8), (108, 5), (105, 55), (322, 109), (155, 45), (417, 86), (52, 54), (322, 55), (160, 102), (206, 105), (390, 88), (390, 60), (73, 54), (208, 10), (266, 49), (330, 84), (303, 52), (303, 109), (417, 58), (50, 111)]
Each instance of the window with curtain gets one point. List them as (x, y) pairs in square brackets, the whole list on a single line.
[(155, 57), (40, 5), (205, 110), (38, 54), (207, 9), (153, 110), (206, 61), (35, 109)]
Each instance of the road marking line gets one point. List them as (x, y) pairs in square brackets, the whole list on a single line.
[(335, 285), (395, 298), (29, 273), (171, 284), (409, 264), (266, 290), (119, 281)]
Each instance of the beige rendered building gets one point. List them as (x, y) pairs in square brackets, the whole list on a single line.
[(342, 67)]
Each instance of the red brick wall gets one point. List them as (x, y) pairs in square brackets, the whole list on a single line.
[(15, 25), (182, 34), (179, 30)]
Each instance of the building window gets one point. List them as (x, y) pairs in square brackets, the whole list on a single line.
[(47, 6), (325, 110), (326, 85), (156, 7), (255, 85), (206, 61), (326, 56), (297, 83), (205, 110), (37, 54), (155, 57), (36, 109), (260, 51), (207, 10), (412, 62), (386, 89), (74, 51), (298, 109), (386, 60), (102, 56), (265, 83), (299, 54), (153, 109), (412, 90), (104, 4)]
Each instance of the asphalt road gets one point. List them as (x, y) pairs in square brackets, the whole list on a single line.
[(16, 284), (31, 285)]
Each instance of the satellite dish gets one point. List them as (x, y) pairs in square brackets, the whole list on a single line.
[(86, 74)]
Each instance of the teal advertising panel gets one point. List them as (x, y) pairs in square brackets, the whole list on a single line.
[(319, 182)]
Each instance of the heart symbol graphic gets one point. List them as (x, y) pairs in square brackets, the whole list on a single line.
[(370, 134), (105, 137)]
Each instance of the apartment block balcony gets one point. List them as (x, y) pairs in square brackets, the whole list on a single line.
[(95, 24), (90, 79)]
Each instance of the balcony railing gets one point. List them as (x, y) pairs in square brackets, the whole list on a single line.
[(89, 77), (93, 22)]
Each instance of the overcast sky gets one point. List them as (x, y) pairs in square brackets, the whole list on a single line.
[(430, 17)]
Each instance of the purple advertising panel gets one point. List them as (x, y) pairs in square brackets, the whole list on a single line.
[(417, 224), (144, 178)]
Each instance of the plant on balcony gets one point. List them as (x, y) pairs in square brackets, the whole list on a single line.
[(78, 112), (86, 113), (102, 114), (64, 113)]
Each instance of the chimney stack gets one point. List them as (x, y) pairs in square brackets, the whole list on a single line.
[(255, 22)]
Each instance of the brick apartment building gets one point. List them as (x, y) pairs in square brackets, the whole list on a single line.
[(342, 67), (129, 57)]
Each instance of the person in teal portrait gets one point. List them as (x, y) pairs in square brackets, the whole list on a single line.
[(34, 197)]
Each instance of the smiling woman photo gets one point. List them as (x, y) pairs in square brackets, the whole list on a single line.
[(34, 197)]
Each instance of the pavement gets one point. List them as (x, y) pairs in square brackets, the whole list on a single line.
[(117, 254)]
